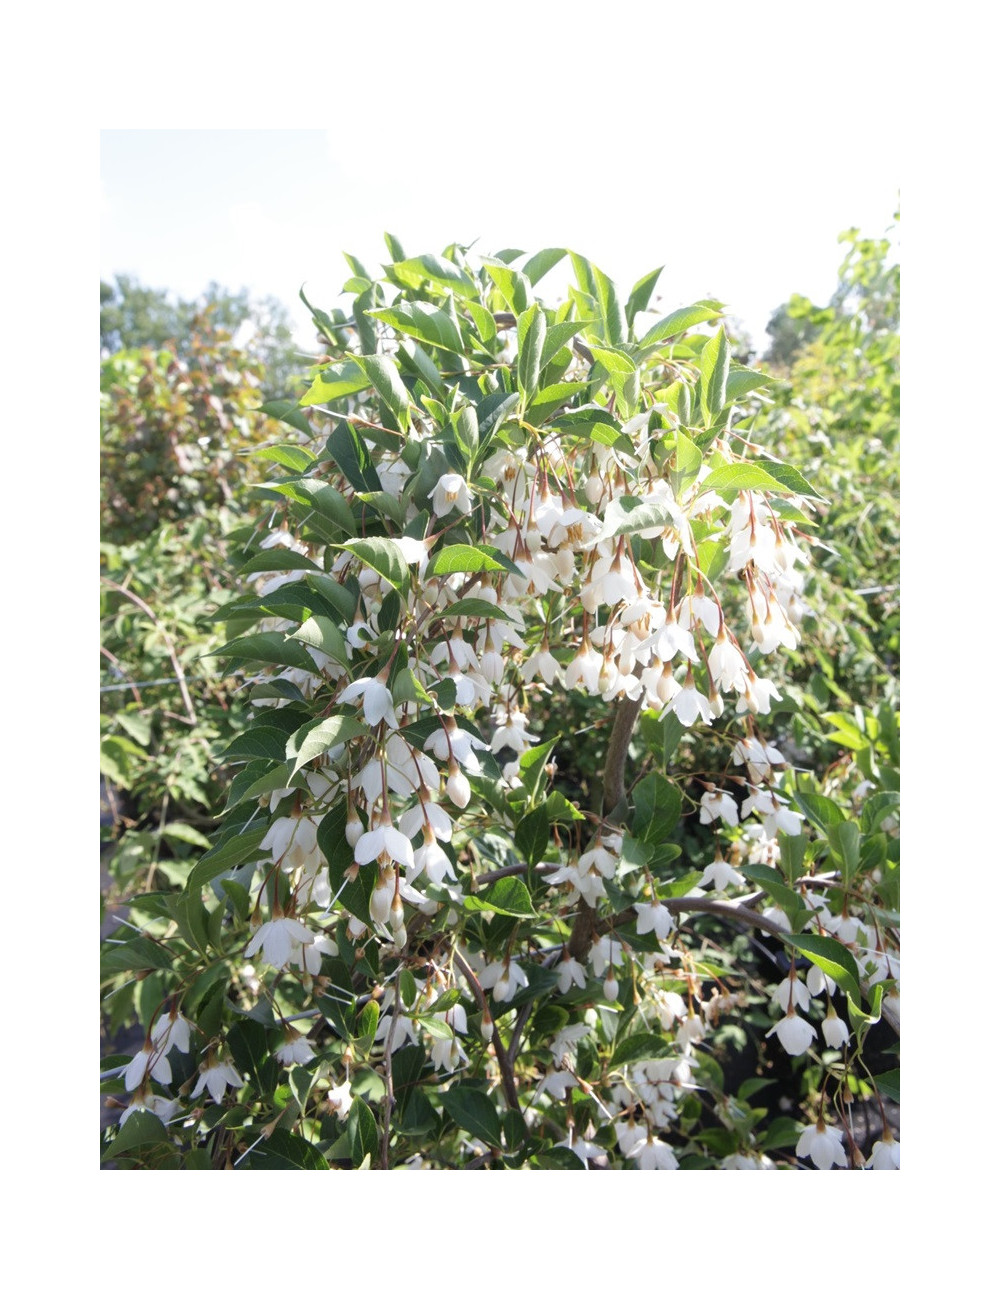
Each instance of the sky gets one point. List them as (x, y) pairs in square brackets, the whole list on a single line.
[(273, 210)]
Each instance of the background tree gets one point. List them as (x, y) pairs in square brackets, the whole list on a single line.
[(176, 422), (136, 316)]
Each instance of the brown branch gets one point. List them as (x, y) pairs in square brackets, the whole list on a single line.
[(503, 1060), (626, 713), (178, 671), (390, 1100), (516, 869)]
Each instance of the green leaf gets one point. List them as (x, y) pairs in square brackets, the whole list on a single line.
[(276, 559), (614, 361), (353, 457), (744, 477), (888, 1084), (687, 460), (289, 413), (507, 897), (820, 810), (384, 556), (532, 835), (631, 515), (640, 1047), (334, 593), (283, 1150), (322, 321), (237, 848), (334, 383), (407, 987), (515, 288), (186, 834), (557, 336), (593, 282), (486, 326), (791, 480), (141, 1129), (362, 1132), (419, 363), (743, 381), (532, 765), (657, 808), (774, 883), (385, 380), (367, 1025), (635, 854), (539, 264), (427, 325), (491, 412), (323, 634), (140, 954), (845, 841), (680, 321), (297, 459), (115, 752), (557, 1157), (832, 958), (549, 399), (406, 686), (473, 1112), (472, 607), (438, 270), (463, 558), (559, 809), (320, 498), (267, 648), (877, 807), (315, 738), (642, 291), (387, 505), (782, 1134), (597, 424), (531, 329), (715, 356)]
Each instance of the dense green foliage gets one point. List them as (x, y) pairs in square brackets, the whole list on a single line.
[(173, 431), (381, 528)]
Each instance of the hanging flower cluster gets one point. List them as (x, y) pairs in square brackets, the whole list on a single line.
[(485, 504)]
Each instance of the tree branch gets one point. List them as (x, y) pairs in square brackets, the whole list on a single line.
[(614, 809), (181, 680), (503, 1060)]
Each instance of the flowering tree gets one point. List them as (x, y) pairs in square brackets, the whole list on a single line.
[(411, 943)]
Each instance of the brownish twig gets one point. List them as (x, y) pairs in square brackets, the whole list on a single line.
[(178, 671), (503, 1060)]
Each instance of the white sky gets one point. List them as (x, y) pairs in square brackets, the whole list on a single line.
[(741, 199)]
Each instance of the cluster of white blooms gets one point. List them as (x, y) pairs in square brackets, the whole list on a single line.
[(556, 560)]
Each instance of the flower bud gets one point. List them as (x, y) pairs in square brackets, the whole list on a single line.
[(459, 791), (354, 828), (382, 895), (486, 1027), (611, 989)]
